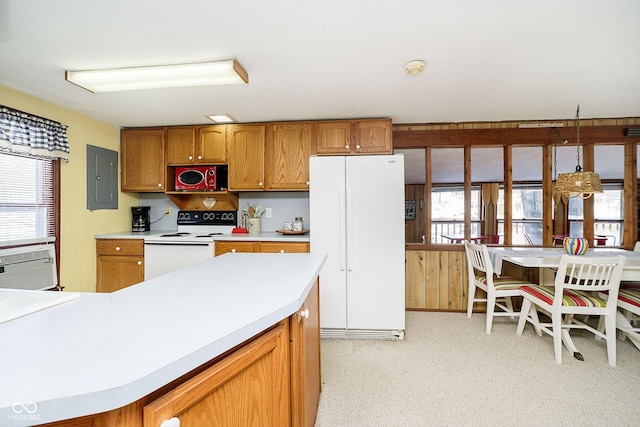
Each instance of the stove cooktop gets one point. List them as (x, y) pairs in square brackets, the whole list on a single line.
[(198, 226)]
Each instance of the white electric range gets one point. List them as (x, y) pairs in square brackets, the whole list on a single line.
[(193, 242)]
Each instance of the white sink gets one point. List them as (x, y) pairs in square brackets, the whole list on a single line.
[(18, 302)]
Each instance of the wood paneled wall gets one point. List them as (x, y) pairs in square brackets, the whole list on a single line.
[(415, 228), (437, 280)]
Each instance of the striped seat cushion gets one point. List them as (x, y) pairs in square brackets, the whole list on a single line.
[(630, 295), (504, 282), (569, 297)]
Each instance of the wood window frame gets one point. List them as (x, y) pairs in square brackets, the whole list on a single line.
[(459, 136)]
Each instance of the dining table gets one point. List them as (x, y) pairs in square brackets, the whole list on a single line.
[(547, 260)]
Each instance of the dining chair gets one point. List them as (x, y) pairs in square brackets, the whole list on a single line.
[(498, 289), (576, 291), (628, 316), (558, 239)]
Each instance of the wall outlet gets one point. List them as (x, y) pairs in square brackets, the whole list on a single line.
[(268, 212), (167, 212)]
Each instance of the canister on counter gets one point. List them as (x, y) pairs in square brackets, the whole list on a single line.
[(297, 224)]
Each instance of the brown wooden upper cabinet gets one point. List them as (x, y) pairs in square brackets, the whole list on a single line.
[(245, 155), (143, 160), (272, 156), (348, 137), (190, 145), (287, 150)]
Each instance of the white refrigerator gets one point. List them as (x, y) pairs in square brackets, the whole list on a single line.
[(356, 211)]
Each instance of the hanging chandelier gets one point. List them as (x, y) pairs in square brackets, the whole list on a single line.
[(579, 183)]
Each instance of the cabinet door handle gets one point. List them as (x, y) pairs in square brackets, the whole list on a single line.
[(305, 313), (190, 157), (308, 183), (281, 251), (357, 147), (159, 185), (260, 184), (199, 157), (139, 262), (346, 146), (172, 422), (117, 248), (233, 250)]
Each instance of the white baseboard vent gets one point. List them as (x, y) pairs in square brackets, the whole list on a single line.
[(362, 334)]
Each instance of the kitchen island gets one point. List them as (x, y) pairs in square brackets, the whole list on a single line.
[(105, 359)]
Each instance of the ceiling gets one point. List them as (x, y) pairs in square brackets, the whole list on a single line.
[(488, 60)]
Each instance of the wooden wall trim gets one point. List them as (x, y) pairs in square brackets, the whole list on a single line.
[(409, 137)]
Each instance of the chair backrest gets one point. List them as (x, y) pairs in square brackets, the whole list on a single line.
[(478, 259), (590, 274)]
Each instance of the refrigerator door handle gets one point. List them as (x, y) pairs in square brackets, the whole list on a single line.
[(349, 242), (341, 231)]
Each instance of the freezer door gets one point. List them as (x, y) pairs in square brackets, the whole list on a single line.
[(327, 215), (375, 242)]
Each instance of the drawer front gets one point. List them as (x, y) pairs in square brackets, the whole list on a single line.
[(120, 247), (224, 247), (284, 247)]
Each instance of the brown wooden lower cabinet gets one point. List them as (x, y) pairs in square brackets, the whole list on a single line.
[(222, 247), (119, 263), (248, 388), (305, 361), (272, 379)]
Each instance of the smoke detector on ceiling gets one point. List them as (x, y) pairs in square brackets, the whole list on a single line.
[(413, 68)]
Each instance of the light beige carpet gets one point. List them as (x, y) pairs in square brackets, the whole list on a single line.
[(448, 372)]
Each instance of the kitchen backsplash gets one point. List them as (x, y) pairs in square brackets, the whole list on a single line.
[(285, 206)]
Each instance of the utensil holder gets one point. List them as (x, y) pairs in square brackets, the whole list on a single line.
[(254, 225)]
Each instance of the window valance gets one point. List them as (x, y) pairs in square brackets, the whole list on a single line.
[(24, 133)]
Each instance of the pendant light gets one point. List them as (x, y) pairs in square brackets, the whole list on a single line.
[(579, 183)]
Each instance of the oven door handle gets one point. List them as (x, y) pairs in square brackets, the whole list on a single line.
[(178, 243)]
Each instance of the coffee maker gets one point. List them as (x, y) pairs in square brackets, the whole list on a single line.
[(141, 221)]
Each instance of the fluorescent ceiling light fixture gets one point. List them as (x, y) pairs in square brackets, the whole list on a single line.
[(160, 76), (222, 118)]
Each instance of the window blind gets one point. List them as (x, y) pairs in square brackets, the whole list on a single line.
[(27, 205)]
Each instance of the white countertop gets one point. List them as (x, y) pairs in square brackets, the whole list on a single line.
[(104, 351), (267, 236)]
